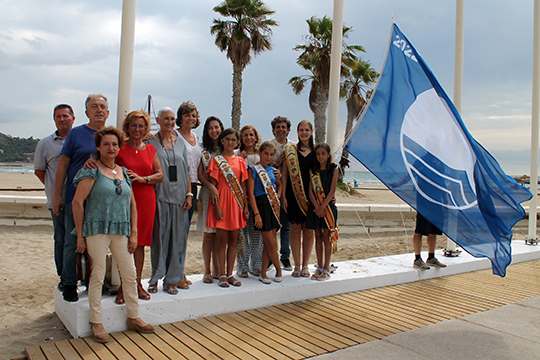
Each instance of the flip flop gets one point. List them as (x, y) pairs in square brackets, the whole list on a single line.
[(171, 289), (305, 272), (152, 288), (296, 273), (182, 285), (207, 279)]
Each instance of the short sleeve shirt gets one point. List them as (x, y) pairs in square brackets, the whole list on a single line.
[(46, 158)]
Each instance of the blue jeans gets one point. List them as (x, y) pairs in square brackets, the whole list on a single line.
[(59, 235), (285, 248), (69, 272)]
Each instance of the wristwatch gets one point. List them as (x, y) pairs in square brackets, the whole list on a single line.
[(148, 179)]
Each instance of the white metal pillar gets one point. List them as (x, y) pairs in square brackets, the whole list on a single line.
[(458, 83), (127, 48), (335, 77), (534, 121)]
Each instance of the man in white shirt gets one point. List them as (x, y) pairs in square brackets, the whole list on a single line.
[(46, 159)]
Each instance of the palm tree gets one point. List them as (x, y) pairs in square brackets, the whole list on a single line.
[(248, 32), (356, 88), (315, 57)]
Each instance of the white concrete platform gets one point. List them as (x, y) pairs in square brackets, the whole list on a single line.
[(208, 299)]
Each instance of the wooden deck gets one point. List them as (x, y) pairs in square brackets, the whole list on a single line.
[(307, 328)]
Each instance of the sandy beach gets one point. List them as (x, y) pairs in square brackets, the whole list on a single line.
[(29, 275)]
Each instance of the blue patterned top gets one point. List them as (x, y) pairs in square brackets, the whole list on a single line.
[(105, 211)]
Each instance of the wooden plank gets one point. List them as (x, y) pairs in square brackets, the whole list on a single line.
[(184, 344), (67, 351), (170, 350), (238, 341), (131, 349), (102, 351), (51, 352), (276, 339), (34, 353), (256, 340), (310, 333), (212, 347), (149, 349), (83, 349), (298, 344), (341, 304), (231, 348)]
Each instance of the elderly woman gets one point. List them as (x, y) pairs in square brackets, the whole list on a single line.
[(144, 170), (174, 198), (108, 221)]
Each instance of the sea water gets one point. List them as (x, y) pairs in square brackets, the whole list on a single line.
[(361, 177), (25, 168)]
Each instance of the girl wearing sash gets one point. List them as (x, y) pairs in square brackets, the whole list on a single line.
[(264, 200), (299, 160), (228, 173), (322, 213), (250, 249), (213, 127)]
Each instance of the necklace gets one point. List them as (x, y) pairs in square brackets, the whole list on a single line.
[(112, 168)]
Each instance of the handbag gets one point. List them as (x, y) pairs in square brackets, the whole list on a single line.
[(84, 266)]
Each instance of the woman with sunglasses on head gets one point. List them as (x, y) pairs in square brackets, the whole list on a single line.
[(144, 170), (108, 221), (174, 199), (227, 214)]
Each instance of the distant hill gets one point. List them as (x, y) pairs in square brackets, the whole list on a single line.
[(17, 149)]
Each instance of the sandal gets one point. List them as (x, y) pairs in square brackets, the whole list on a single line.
[(143, 295), (152, 288), (207, 279), (120, 297), (296, 273), (317, 274), (187, 281), (223, 283), (233, 281), (182, 285), (171, 289), (324, 276), (242, 274), (305, 272)]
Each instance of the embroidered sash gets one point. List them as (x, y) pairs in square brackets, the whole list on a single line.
[(296, 178), (270, 191), (328, 214), (231, 178), (206, 157)]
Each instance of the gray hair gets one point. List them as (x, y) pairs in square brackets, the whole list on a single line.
[(94, 95), (164, 110)]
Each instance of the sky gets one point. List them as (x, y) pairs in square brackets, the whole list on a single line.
[(59, 51)]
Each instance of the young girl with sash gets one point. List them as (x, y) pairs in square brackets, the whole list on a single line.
[(322, 213), (264, 200), (228, 173), (250, 248), (213, 127), (299, 160)]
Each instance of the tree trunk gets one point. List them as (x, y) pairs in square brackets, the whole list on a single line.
[(318, 105), (236, 111)]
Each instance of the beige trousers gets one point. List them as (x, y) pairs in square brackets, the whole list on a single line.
[(97, 249)]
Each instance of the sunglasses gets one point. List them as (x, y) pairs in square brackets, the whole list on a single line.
[(140, 127), (118, 182)]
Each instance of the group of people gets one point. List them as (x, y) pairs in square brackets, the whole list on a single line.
[(126, 189)]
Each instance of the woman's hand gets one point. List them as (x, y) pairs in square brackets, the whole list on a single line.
[(214, 195), (258, 221), (277, 173), (243, 154), (91, 163), (81, 244), (284, 203), (134, 177), (218, 213), (188, 203), (319, 211), (246, 213), (132, 243)]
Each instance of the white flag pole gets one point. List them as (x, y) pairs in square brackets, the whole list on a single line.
[(127, 48), (458, 86), (534, 122), (335, 76)]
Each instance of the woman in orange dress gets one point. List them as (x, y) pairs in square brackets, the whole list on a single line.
[(144, 170), (229, 214)]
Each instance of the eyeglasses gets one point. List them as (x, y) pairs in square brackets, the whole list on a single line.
[(140, 127), (231, 139), (118, 182)]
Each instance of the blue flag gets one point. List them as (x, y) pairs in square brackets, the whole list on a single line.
[(412, 138)]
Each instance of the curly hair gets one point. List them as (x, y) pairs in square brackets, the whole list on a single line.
[(187, 107)]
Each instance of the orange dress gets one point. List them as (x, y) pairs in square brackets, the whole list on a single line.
[(233, 218), (141, 162)]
